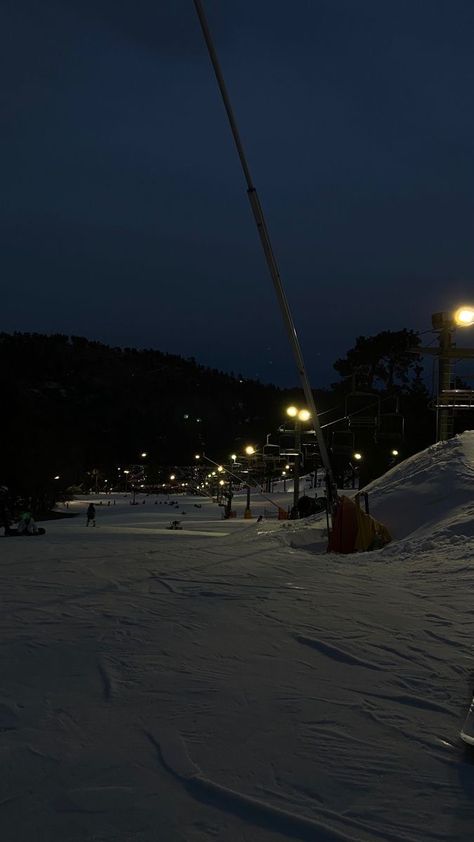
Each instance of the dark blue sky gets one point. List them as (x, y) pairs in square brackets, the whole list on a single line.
[(124, 216)]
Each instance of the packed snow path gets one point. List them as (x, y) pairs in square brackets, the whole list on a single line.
[(161, 685)]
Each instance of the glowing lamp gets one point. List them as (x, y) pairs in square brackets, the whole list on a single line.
[(464, 316)]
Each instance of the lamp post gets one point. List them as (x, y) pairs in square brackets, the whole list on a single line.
[(249, 452), (299, 415), (445, 324)]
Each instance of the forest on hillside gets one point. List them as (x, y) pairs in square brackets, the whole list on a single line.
[(72, 406)]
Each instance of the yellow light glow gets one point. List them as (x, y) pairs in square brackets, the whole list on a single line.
[(172, 476), (292, 411), (220, 469), (250, 450), (197, 456), (144, 455), (233, 456), (304, 415), (221, 482), (464, 316), (358, 456), (394, 452)]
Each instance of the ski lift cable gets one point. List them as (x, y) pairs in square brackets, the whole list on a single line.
[(270, 257), (244, 480), (358, 411)]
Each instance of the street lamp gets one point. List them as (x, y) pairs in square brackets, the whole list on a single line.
[(144, 455), (358, 456), (249, 451), (299, 415)]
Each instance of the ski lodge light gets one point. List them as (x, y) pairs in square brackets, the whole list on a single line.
[(464, 316)]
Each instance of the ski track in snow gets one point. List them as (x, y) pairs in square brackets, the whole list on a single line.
[(335, 653)]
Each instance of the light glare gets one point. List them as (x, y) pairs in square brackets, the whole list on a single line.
[(464, 316)]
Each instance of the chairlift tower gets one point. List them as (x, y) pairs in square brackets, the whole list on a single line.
[(448, 400)]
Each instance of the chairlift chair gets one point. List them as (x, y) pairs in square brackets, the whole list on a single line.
[(343, 443), (391, 424), (391, 428), (362, 410)]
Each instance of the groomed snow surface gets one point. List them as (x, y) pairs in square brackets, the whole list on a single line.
[(232, 681)]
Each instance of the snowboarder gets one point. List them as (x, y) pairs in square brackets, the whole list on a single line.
[(90, 514)]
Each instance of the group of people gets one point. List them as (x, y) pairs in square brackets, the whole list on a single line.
[(26, 524)]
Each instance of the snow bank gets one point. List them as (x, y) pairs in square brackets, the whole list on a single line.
[(430, 488)]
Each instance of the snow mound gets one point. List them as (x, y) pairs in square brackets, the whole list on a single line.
[(430, 492)]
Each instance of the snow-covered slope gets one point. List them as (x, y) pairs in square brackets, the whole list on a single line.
[(424, 490), (232, 681)]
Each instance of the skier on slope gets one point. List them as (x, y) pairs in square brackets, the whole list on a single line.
[(90, 514)]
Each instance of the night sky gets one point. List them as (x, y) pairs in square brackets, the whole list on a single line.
[(124, 215)]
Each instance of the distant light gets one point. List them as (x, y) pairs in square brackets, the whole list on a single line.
[(304, 415), (250, 450), (126, 472), (198, 420), (358, 456), (292, 411), (143, 455), (172, 476), (186, 417), (221, 482), (287, 467), (233, 456), (394, 452), (197, 456), (220, 468), (283, 473), (57, 477), (464, 316)]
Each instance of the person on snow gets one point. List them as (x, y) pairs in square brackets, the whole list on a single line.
[(26, 525), (90, 514), (5, 516)]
